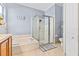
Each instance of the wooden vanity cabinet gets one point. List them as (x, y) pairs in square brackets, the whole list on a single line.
[(6, 46)]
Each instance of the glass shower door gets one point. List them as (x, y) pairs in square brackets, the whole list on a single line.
[(43, 31), (46, 33), (35, 28)]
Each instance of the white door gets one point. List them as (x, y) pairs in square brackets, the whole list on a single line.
[(70, 22)]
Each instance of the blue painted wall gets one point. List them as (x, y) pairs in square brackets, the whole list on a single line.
[(58, 20), (57, 12), (16, 23)]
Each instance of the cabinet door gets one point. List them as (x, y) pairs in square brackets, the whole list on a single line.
[(5, 48)]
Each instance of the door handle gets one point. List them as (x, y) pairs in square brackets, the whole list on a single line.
[(72, 37)]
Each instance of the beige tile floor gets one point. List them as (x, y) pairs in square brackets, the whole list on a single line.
[(24, 45)]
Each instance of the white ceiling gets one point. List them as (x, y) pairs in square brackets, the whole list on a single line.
[(39, 6)]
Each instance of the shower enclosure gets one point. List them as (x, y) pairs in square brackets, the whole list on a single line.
[(43, 30)]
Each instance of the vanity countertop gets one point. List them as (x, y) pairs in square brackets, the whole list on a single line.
[(4, 37)]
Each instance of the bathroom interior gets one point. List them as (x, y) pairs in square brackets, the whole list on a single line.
[(36, 28)]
